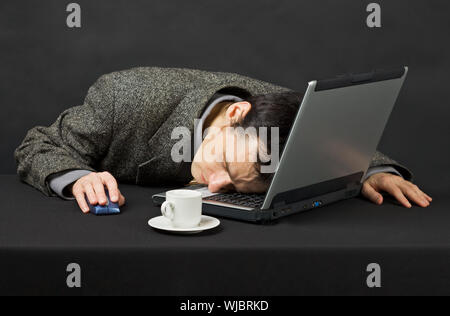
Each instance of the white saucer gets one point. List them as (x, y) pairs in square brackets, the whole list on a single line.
[(162, 223)]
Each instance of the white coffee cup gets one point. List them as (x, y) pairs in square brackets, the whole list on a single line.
[(183, 208)]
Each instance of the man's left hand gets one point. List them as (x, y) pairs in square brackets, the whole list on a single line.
[(404, 191)]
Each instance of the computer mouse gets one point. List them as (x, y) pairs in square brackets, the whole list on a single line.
[(110, 208)]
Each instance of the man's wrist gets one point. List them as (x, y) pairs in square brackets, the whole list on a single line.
[(381, 169), (62, 183)]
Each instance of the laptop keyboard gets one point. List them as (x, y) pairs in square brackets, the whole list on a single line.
[(239, 199)]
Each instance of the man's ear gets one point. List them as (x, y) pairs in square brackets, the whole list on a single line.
[(237, 112)]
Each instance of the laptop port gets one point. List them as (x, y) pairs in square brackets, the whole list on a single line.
[(286, 210), (317, 204)]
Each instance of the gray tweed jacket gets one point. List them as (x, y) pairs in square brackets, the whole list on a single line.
[(125, 126)]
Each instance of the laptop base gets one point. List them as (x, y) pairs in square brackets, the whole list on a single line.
[(267, 216)]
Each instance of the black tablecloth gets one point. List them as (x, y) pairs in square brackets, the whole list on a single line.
[(325, 251)]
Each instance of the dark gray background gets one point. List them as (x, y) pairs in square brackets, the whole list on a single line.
[(46, 67)]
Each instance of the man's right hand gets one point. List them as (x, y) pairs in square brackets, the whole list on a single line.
[(93, 187)]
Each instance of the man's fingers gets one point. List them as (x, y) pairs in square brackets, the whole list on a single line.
[(111, 184), (395, 191), (391, 186), (416, 197), (79, 196), (396, 186), (99, 191), (92, 197), (369, 192), (121, 200), (93, 188), (423, 194)]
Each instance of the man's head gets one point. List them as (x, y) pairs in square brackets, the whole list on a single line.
[(221, 164)]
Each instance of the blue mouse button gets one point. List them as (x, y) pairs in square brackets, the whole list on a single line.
[(109, 209)]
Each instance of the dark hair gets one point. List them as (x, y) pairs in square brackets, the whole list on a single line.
[(272, 110)]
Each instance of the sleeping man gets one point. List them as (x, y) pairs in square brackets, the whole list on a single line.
[(123, 133)]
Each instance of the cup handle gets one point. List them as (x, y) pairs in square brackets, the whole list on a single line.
[(168, 209)]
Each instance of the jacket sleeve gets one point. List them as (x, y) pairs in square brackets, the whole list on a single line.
[(78, 139), (381, 160)]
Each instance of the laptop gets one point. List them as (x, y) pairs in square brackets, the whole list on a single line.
[(330, 147)]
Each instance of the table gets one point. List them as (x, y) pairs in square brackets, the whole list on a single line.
[(322, 252)]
